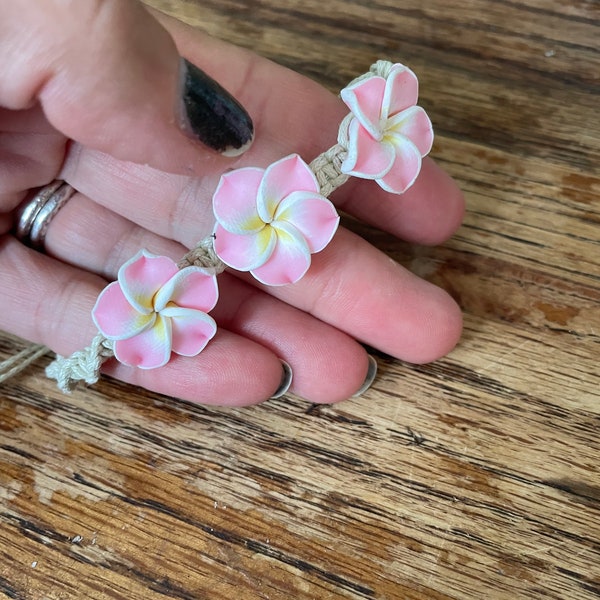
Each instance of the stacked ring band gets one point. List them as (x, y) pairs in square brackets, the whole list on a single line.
[(36, 213)]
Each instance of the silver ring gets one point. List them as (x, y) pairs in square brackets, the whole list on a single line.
[(35, 213)]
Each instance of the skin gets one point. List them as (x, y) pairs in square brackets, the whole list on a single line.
[(108, 126)]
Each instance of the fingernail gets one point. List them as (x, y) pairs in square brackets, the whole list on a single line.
[(286, 381), (212, 115), (371, 373)]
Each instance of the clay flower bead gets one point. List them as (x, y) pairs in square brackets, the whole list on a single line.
[(387, 134), (154, 309), (270, 221)]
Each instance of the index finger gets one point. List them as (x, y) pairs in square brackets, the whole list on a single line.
[(291, 114), (99, 69)]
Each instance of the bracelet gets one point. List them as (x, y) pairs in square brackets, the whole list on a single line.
[(268, 222)]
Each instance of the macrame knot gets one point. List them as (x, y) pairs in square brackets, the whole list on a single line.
[(203, 255), (382, 68), (83, 365), (327, 168)]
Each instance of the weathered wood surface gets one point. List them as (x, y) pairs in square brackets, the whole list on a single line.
[(474, 477)]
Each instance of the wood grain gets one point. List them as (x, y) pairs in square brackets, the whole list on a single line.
[(473, 477)]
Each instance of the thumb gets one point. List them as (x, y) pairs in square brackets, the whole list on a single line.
[(109, 76)]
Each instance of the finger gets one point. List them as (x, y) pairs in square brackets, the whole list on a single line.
[(328, 365), (172, 206), (230, 371), (31, 154), (428, 213), (49, 302), (100, 69), (356, 288), (179, 207), (87, 235)]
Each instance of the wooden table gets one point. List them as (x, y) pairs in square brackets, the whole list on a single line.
[(473, 477)]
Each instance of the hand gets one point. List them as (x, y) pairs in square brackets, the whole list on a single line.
[(89, 99)]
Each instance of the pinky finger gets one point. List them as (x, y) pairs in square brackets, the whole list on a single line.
[(49, 302), (230, 371)]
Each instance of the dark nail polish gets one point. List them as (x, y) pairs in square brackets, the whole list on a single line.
[(286, 381), (212, 115), (371, 374)]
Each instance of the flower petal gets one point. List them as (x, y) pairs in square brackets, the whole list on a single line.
[(290, 259), (191, 330), (142, 276), (313, 215), (148, 350), (192, 287), (405, 169), (234, 201), (365, 99), (116, 318), (414, 124), (283, 177), (367, 157), (244, 252), (401, 90)]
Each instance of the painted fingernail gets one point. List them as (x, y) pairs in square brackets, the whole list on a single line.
[(286, 381), (371, 374), (212, 115)]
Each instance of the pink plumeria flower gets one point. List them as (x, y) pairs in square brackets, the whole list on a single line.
[(387, 133), (154, 309), (269, 222)]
